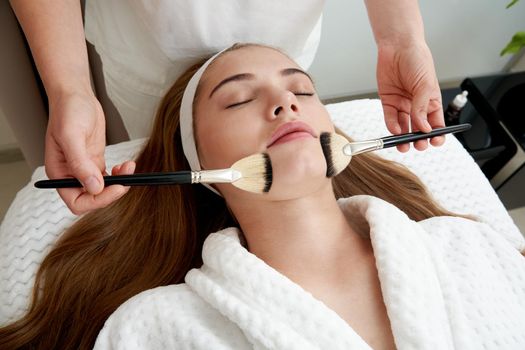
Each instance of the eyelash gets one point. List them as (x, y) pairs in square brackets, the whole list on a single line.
[(250, 100)]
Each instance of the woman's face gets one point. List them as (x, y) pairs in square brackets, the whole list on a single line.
[(244, 97)]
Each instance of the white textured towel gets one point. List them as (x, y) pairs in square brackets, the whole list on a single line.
[(447, 283), (36, 218)]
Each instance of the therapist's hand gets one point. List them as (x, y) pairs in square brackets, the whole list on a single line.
[(409, 90), (75, 143)]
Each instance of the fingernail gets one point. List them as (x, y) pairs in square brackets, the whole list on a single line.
[(92, 184), (427, 125)]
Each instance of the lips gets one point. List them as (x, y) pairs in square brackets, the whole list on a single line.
[(288, 128)]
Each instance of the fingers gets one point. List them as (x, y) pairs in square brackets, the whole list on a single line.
[(437, 141), (397, 122), (126, 168), (421, 113), (437, 120), (404, 121), (419, 110), (79, 201), (397, 119), (82, 166), (391, 119), (406, 127), (427, 114)]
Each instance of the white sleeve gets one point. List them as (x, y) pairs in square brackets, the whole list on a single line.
[(169, 317)]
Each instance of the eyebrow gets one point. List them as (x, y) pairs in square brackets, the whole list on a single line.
[(249, 76)]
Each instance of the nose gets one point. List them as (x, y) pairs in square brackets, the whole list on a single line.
[(284, 104)]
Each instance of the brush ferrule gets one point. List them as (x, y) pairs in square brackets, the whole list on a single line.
[(353, 148), (215, 176)]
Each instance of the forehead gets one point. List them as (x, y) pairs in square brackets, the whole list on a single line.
[(257, 60)]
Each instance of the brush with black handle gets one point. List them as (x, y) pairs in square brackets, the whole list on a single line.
[(252, 173), (338, 151)]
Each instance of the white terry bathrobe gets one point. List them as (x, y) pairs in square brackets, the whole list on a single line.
[(447, 283)]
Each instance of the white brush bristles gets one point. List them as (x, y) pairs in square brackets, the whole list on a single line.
[(336, 160), (256, 173)]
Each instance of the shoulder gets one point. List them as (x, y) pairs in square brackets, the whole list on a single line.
[(473, 252), (440, 229), (460, 232), (160, 300), (481, 273), (162, 318)]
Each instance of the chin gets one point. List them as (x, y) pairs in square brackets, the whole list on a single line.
[(297, 167), (304, 165)]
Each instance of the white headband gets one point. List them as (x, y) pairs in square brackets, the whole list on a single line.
[(186, 120)]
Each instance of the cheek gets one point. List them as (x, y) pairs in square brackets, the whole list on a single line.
[(223, 143), (212, 150), (316, 115), (213, 147)]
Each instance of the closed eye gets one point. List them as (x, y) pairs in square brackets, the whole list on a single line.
[(239, 103), (250, 100)]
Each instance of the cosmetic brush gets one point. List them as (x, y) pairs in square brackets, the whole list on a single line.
[(252, 173), (338, 151)]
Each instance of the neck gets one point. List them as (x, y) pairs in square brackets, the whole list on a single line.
[(307, 239)]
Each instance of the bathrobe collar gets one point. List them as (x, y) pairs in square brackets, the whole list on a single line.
[(276, 313)]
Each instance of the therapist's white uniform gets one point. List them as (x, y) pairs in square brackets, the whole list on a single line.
[(145, 45)]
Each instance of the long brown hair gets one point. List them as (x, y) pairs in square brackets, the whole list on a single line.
[(153, 236)]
